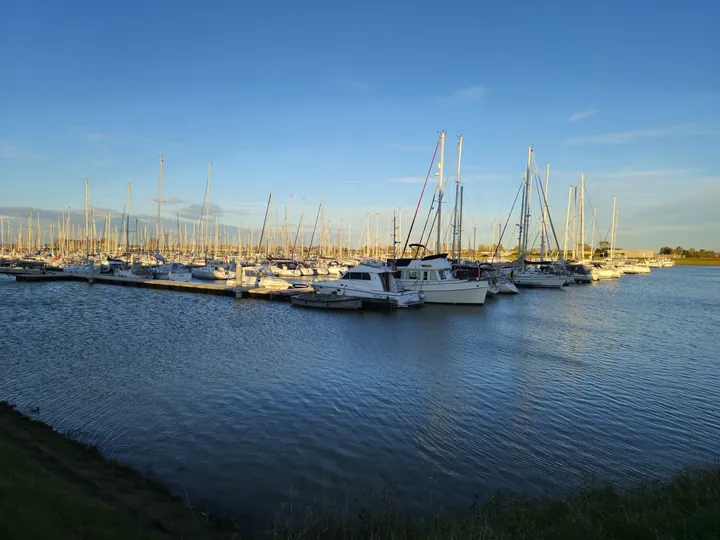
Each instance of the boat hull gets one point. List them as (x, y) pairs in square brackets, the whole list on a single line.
[(468, 292), (199, 273), (548, 281), (401, 299), (327, 301), (507, 288)]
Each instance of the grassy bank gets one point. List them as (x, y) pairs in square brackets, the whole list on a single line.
[(697, 262), (51, 487)]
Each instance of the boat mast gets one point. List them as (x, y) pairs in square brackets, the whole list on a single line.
[(567, 224), (526, 207), (207, 209), (592, 242), (543, 231), (582, 215), (438, 247), (159, 230), (87, 220), (300, 224), (522, 220), (612, 232), (575, 223), (262, 233), (462, 190)]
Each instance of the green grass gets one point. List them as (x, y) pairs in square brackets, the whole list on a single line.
[(697, 262), (52, 487)]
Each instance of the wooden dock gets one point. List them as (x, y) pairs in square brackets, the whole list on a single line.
[(220, 289)]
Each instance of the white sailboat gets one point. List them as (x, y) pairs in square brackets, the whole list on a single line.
[(543, 275)]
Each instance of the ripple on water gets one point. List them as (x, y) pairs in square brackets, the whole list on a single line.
[(247, 405)]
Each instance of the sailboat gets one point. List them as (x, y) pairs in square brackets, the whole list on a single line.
[(433, 274), (543, 274)]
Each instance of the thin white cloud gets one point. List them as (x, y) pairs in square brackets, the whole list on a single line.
[(169, 199), (464, 95), (8, 151), (354, 84), (583, 114), (629, 136)]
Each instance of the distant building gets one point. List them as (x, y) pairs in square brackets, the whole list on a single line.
[(635, 253)]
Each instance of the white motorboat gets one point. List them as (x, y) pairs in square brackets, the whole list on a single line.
[(635, 269), (372, 280), (257, 278), (172, 272), (212, 271), (579, 274), (432, 275)]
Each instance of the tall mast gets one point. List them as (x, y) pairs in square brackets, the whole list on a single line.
[(262, 233), (300, 224), (87, 219), (521, 225), (575, 220), (526, 217), (592, 242), (567, 224), (582, 215), (159, 230), (312, 237), (543, 231), (462, 190), (612, 232), (438, 247), (207, 208)]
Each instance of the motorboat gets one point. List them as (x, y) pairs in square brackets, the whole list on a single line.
[(579, 274), (172, 272), (373, 280), (257, 278), (637, 268), (433, 276), (212, 271)]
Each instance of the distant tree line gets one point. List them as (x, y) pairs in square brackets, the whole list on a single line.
[(691, 253)]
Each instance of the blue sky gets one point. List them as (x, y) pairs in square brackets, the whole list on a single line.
[(346, 100)]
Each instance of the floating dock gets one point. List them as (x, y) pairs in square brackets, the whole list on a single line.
[(220, 288)]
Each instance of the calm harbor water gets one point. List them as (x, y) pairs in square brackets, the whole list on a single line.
[(246, 405)]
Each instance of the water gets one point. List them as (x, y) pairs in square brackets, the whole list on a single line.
[(246, 405)]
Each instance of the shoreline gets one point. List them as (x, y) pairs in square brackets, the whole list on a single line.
[(53, 486), (697, 262)]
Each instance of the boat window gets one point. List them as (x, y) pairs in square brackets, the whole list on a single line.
[(442, 275), (365, 276), (425, 276), (346, 275), (413, 274)]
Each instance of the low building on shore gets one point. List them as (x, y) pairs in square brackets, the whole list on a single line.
[(635, 253)]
